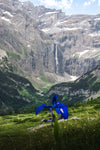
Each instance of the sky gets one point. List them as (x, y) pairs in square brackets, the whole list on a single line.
[(71, 7)]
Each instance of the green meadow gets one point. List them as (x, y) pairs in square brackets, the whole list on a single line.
[(80, 132)]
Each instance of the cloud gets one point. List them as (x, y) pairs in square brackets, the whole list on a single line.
[(62, 4), (99, 2), (89, 2), (93, 0)]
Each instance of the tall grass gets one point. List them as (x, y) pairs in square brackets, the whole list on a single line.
[(80, 132)]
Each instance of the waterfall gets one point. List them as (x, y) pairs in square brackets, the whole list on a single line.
[(56, 58)]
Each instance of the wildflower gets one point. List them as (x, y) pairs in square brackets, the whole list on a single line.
[(60, 109)]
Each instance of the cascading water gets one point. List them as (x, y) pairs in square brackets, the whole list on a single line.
[(56, 59)]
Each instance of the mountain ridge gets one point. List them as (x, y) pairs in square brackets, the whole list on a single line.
[(40, 51), (82, 89)]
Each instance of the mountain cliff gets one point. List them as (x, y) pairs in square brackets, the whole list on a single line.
[(77, 37), (40, 41)]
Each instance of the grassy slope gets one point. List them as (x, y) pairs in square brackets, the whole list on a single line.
[(80, 133), (16, 92), (90, 81), (42, 83)]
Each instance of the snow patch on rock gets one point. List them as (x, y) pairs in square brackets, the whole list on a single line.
[(5, 19), (8, 13), (73, 78), (94, 34)]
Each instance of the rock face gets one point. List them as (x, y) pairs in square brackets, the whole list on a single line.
[(41, 40), (79, 67), (19, 36), (78, 37)]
